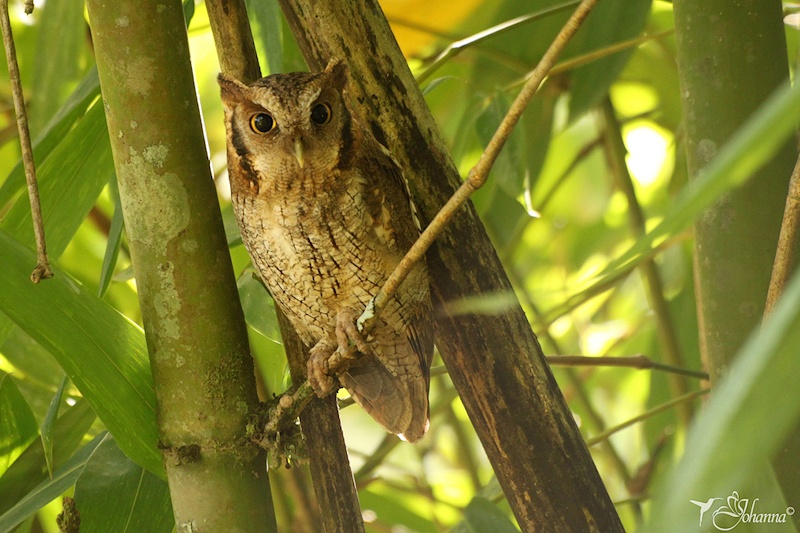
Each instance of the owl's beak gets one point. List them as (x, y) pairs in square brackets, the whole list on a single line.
[(298, 152)]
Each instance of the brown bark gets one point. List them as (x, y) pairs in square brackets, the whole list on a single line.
[(496, 363), (334, 485)]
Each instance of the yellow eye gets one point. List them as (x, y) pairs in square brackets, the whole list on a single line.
[(262, 123), (321, 114)]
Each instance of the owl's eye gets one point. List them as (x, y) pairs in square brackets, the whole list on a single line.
[(321, 114), (262, 123)]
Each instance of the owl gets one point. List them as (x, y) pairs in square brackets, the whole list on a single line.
[(326, 215)]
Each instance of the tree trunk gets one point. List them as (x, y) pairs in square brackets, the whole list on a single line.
[(496, 363), (196, 335), (731, 57), (334, 485)]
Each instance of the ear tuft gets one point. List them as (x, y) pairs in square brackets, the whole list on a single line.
[(231, 89), (337, 72)]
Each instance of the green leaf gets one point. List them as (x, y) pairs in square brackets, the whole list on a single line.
[(18, 426), (739, 430), (112, 248), (55, 132), (61, 40), (258, 307), (30, 468), (70, 180), (747, 150), (435, 83), (611, 22), (268, 32), (49, 489), (115, 494), (102, 352), (482, 515), (49, 425), (394, 510)]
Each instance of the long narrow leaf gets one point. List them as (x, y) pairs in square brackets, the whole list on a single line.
[(115, 494), (17, 423), (50, 489), (101, 351), (30, 469), (739, 431), (751, 146), (49, 425)]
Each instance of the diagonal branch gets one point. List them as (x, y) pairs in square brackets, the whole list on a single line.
[(477, 177), (42, 270)]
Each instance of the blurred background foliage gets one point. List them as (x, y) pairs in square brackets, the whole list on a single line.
[(552, 207)]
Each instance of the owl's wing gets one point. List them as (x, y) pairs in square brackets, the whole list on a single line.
[(397, 193), (411, 311)]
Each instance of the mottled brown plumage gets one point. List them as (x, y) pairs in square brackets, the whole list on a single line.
[(326, 216)]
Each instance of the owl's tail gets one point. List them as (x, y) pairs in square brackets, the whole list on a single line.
[(399, 405)]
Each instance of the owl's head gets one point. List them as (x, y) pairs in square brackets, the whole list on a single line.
[(289, 123)]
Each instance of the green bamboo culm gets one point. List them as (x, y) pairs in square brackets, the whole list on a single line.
[(196, 335), (731, 57)]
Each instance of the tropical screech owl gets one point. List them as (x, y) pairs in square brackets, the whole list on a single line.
[(325, 214)]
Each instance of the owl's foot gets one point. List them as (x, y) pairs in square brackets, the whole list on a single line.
[(325, 362)]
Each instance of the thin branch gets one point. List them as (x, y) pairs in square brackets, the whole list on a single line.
[(647, 414), (337, 363), (606, 51), (480, 172), (784, 256), (42, 270), (616, 152), (458, 46), (641, 362)]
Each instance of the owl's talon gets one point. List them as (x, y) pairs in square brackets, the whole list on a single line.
[(348, 334), (317, 367)]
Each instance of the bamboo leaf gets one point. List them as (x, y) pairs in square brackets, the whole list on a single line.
[(55, 132), (30, 468), (268, 32), (112, 248), (61, 39), (115, 494), (482, 515), (17, 423), (70, 180), (610, 22), (49, 424), (101, 351), (739, 431), (749, 148), (49, 489)]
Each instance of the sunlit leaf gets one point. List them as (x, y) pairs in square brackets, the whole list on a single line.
[(18, 426), (103, 352), (268, 32), (70, 180), (62, 36), (482, 515), (49, 425), (738, 431), (56, 130), (30, 468), (115, 494), (749, 148), (393, 512), (51, 488)]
